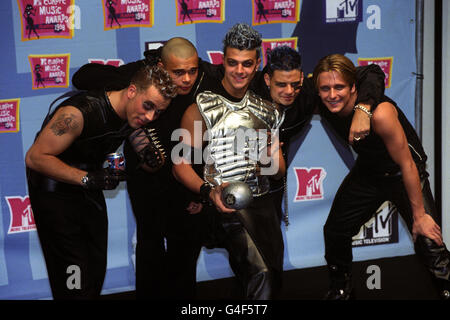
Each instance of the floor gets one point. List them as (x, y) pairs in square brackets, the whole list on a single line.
[(400, 278)]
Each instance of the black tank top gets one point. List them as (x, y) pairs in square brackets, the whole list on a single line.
[(373, 155)]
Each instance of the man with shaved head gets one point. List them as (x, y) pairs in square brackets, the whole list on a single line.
[(168, 221), (179, 57)]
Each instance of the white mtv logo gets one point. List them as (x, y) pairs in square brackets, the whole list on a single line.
[(340, 9), (380, 224), (27, 217)]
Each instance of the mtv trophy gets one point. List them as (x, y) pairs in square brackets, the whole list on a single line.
[(237, 195)]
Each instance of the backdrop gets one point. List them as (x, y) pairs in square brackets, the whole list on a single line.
[(45, 41)]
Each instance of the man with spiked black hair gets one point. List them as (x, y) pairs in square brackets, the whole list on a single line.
[(241, 36), (252, 236)]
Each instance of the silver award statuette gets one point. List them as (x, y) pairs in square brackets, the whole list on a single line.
[(237, 195)]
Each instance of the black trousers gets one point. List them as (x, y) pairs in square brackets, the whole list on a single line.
[(166, 240), (73, 232), (356, 200), (254, 242), (150, 246), (183, 250)]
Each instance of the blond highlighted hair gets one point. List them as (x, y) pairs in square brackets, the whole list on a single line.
[(338, 63)]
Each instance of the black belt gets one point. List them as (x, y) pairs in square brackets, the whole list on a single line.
[(46, 184)]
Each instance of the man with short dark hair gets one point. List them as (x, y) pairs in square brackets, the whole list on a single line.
[(282, 81)]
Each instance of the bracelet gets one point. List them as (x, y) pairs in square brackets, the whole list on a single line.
[(85, 181), (364, 109), (205, 189)]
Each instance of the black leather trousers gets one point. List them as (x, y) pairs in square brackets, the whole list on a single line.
[(358, 197), (254, 243)]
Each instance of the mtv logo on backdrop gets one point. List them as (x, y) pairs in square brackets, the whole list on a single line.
[(380, 229), (343, 11), (21, 214), (309, 183), (215, 57), (153, 45)]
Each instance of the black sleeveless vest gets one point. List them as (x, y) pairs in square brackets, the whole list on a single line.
[(103, 132), (373, 155)]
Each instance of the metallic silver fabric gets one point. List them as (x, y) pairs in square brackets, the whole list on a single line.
[(228, 158)]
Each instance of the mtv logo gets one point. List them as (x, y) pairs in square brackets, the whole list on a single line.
[(343, 10), (215, 57), (111, 62), (309, 183), (379, 228), (21, 214), (153, 45)]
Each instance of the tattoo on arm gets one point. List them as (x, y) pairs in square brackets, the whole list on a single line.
[(63, 124)]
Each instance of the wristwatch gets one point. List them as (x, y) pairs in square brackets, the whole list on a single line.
[(205, 189), (84, 181)]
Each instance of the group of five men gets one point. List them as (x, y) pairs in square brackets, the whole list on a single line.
[(177, 200)]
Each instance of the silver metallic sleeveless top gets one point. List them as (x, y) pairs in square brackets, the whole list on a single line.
[(234, 139)]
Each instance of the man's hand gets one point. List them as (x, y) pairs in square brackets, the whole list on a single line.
[(216, 198), (426, 227), (149, 149), (360, 127), (104, 179), (194, 207)]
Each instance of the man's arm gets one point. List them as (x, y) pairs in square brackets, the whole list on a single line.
[(95, 76), (215, 71), (282, 163), (149, 150), (182, 168), (65, 126), (272, 159), (370, 87), (387, 126)]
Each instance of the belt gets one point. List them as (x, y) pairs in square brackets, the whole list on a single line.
[(46, 184)]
